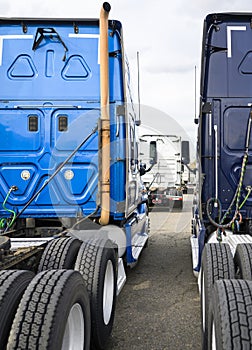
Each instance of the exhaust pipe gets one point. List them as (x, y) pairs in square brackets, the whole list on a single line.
[(105, 119)]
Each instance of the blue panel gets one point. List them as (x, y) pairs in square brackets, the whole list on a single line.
[(82, 186), (15, 134), (41, 153), (226, 90), (228, 59), (11, 175), (246, 64), (81, 122), (118, 159), (43, 73), (52, 84), (235, 121), (76, 68), (22, 67)]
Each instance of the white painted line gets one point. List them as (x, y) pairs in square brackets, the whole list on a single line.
[(11, 37), (88, 36), (229, 37)]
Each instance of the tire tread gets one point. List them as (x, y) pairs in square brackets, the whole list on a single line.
[(232, 302), (57, 254), (34, 307), (217, 263), (12, 286), (243, 260), (91, 262)]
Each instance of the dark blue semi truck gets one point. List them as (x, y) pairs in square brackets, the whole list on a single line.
[(73, 208), (222, 212)]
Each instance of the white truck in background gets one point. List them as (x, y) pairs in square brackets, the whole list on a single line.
[(161, 155), (185, 178)]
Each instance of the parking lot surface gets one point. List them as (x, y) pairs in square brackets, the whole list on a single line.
[(159, 307)]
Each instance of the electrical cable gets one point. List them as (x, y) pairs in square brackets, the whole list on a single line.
[(4, 221), (237, 194)]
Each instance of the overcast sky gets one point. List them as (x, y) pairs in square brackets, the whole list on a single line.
[(167, 35)]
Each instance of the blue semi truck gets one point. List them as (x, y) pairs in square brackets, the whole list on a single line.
[(222, 212), (73, 207)]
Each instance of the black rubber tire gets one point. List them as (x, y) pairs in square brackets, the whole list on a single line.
[(217, 263), (231, 313), (243, 261), (180, 204), (92, 261), (59, 253), (42, 315), (12, 286)]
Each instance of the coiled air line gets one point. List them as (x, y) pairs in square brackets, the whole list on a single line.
[(8, 221), (237, 195)]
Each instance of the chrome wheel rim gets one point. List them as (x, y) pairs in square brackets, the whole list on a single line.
[(203, 304), (108, 292), (74, 335), (213, 337)]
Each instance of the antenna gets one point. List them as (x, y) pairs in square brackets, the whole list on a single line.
[(196, 120), (138, 88), (195, 90)]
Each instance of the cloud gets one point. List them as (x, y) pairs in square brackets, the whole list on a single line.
[(48, 8), (200, 8), (171, 68), (5, 7), (167, 34)]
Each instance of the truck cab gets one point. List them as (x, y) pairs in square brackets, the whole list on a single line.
[(221, 225), (162, 155), (73, 206), (224, 176)]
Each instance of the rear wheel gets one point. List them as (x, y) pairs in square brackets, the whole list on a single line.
[(59, 253), (217, 263), (97, 263), (180, 204), (243, 261), (54, 313), (12, 286), (229, 315)]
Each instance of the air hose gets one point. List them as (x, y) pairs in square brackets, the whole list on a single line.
[(237, 195), (8, 222), (249, 189)]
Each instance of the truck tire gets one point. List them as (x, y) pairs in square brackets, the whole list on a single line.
[(180, 204), (59, 253), (97, 263), (217, 263), (54, 313), (12, 286), (243, 261), (229, 315)]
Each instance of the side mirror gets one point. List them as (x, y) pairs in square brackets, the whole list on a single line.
[(185, 152), (153, 152), (142, 169)]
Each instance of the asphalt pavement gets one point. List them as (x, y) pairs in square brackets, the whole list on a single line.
[(159, 307)]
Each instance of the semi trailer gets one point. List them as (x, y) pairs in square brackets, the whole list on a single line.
[(74, 211), (163, 159), (222, 211)]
